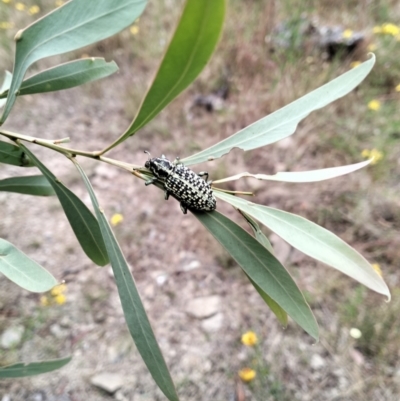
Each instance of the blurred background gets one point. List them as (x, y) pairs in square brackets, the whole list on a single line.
[(271, 53)]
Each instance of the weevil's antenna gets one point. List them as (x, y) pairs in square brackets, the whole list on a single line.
[(148, 153)]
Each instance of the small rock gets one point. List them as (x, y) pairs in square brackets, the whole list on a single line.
[(109, 382), (58, 331), (204, 307), (37, 396), (317, 362), (194, 264), (213, 323), (6, 397), (12, 336)]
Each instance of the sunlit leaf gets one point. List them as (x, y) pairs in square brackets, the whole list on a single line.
[(11, 154), (32, 368), (261, 267), (283, 122), (135, 314), (84, 224), (190, 49), (65, 76), (30, 185), (76, 24), (5, 86), (301, 176), (312, 240), (22, 270)]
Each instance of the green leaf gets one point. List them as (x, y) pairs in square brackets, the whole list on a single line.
[(22, 270), (190, 49), (11, 154), (313, 240), (65, 76), (32, 368), (5, 86), (260, 236), (30, 185), (262, 267), (301, 176), (264, 241), (135, 314), (283, 122), (84, 224), (76, 24), (275, 308)]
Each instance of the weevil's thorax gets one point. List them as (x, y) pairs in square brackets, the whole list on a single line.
[(160, 167)]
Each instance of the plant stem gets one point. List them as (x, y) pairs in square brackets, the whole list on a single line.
[(53, 144)]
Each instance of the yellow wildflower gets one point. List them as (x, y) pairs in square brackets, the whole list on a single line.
[(377, 268), (372, 47), (44, 300), (355, 64), (249, 338), (58, 289), (134, 29), (347, 34), (116, 219), (374, 154), (6, 1), (60, 299), (6, 25), (390, 29), (247, 374), (20, 6), (397, 88), (59, 3), (374, 105), (34, 10)]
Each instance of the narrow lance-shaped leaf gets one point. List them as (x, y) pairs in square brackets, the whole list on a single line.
[(84, 224), (261, 267), (283, 122), (190, 49), (312, 240), (5, 86), (301, 176), (135, 314), (14, 155), (22, 270), (76, 24), (260, 236), (31, 185), (32, 368), (264, 241), (65, 76)]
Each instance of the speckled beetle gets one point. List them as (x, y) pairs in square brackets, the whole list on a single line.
[(191, 190)]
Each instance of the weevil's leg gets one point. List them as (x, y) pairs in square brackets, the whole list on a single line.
[(166, 195), (150, 181), (183, 208), (177, 161), (202, 174)]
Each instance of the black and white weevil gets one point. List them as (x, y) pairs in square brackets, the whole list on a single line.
[(192, 191)]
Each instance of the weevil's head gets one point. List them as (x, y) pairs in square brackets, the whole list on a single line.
[(159, 166)]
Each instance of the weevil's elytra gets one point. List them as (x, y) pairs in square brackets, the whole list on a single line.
[(193, 192)]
